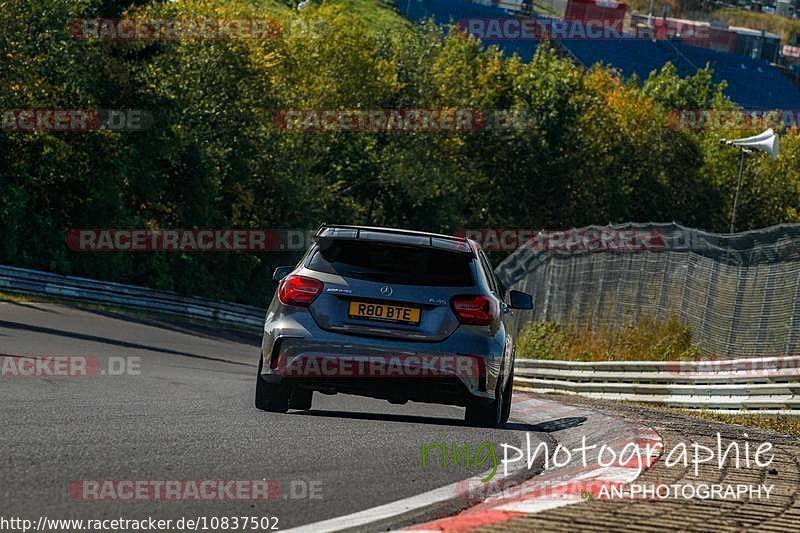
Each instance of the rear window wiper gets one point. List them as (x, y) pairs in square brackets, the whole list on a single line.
[(365, 274)]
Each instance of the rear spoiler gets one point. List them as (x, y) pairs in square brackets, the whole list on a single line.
[(400, 237)]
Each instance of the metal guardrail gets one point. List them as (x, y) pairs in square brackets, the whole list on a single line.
[(26, 281), (742, 386)]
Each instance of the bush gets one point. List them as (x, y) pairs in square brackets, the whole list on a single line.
[(597, 148), (649, 339)]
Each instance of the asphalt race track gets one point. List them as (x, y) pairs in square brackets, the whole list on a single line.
[(186, 413)]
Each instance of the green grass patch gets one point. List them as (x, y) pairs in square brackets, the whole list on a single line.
[(759, 21), (788, 425), (783, 424), (378, 15), (15, 298), (649, 339), (733, 16)]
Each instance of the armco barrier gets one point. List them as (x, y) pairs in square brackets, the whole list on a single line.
[(764, 385), (743, 386), (26, 281)]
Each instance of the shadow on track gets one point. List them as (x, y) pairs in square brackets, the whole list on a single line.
[(113, 342), (550, 426), (544, 427), (33, 306), (197, 329)]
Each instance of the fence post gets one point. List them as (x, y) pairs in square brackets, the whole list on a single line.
[(600, 293), (586, 283), (769, 290), (548, 271), (737, 307), (539, 292), (794, 321), (711, 293), (662, 293), (639, 287), (569, 291), (685, 295), (621, 279)]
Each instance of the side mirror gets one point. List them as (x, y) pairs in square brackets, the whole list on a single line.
[(520, 300), (281, 272)]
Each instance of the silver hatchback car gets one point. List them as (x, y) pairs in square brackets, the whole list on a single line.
[(392, 314)]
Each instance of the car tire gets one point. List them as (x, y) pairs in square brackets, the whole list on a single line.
[(507, 394), (301, 399), (486, 415), (271, 396)]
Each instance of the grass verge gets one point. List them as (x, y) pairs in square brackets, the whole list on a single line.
[(782, 424), (379, 15), (788, 425), (648, 339)]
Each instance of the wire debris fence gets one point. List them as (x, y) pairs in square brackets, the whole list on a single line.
[(739, 293)]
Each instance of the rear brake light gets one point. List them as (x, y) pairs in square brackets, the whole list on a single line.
[(474, 310), (299, 290)]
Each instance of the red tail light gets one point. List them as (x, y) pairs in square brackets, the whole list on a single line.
[(299, 290), (474, 310)]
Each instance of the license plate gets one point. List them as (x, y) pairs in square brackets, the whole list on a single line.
[(385, 312)]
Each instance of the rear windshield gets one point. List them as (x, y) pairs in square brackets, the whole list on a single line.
[(389, 263)]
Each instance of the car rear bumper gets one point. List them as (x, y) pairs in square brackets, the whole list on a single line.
[(449, 391), (296, 351)]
